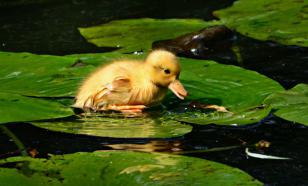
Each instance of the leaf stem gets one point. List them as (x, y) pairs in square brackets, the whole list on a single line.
[(17, 142), (237, 51)]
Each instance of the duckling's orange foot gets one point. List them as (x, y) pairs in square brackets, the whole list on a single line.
[(217, 108), (127, 109)]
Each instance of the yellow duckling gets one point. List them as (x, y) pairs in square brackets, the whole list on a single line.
[(130, 85)]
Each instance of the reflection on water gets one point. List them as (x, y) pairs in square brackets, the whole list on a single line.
[(118, 126), (151, 146)]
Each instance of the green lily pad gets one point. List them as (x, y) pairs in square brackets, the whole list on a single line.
[(291, 104), (97, 59), (40, 75), (235, 88), (118, 168), (248, 116), (119, 127), (285, 21), (16, 108), (226, 85), (240, 91), (138, 34)]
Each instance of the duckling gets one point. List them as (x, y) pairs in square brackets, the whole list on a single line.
[(131, 85)]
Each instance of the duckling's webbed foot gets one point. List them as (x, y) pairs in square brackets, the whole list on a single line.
[(217, 108), (127, 109)]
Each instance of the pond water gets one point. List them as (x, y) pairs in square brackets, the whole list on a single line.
[(50, 28)]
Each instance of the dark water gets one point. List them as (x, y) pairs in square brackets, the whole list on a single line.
[(50, 28)]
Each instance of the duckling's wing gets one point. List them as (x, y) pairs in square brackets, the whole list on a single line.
[(116, 92)]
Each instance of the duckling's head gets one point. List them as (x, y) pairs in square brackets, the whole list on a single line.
[(164, 71)]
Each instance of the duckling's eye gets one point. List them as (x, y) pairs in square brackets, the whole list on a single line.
[(167, 71)]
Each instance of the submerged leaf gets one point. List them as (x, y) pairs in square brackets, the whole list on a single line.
[(133, 35), (17, 108), (285, 22), (119, 127), (118, 168), (291, 104)]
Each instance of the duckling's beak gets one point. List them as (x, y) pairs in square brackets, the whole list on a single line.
[(178, 89)]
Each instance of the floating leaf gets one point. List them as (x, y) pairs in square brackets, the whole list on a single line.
[(240, 118), (119, 127), (40, 75), (118, 168), (241, 91), (291, 104), (232, 87), (14, 108), (285, 22), (138, 34), (226, 85), (98, 59)]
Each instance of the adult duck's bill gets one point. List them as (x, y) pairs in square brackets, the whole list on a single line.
[(178, 89)]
